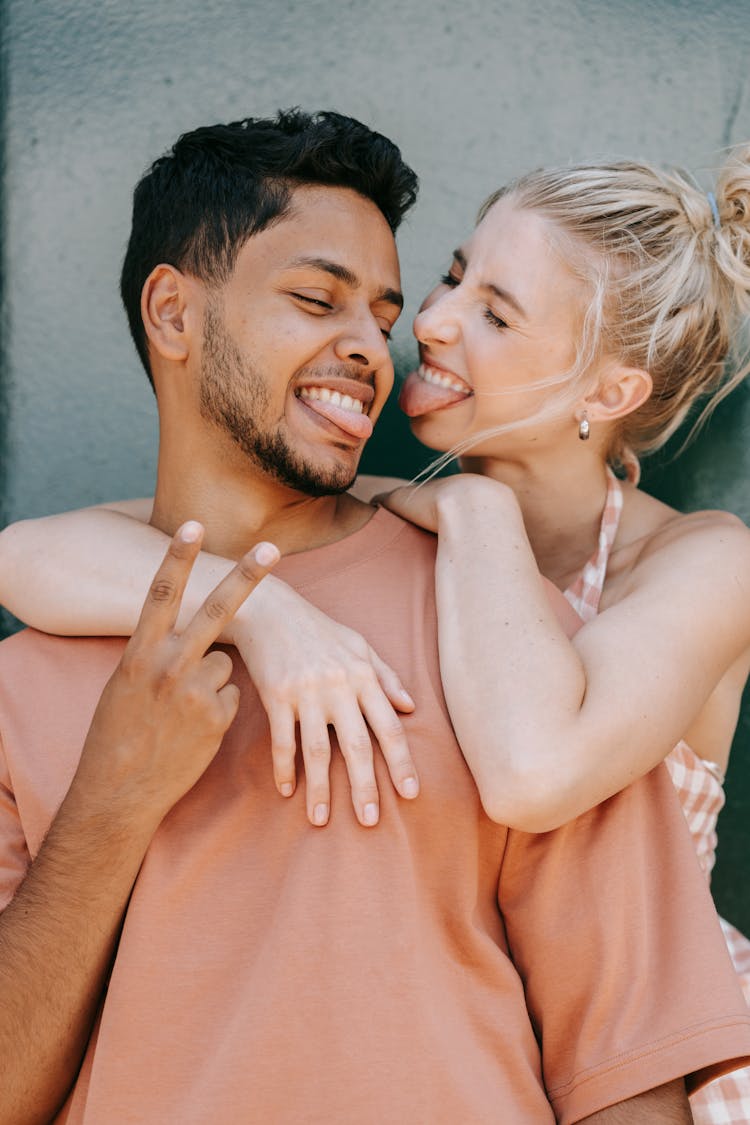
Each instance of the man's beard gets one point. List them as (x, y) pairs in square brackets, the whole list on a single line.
[(234, 397)]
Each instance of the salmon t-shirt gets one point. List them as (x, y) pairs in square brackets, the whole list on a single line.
[(436, 969)]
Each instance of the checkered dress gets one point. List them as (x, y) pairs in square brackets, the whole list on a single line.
[(699, 785)]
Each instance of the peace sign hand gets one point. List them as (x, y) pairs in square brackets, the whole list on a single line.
[(163, 713)]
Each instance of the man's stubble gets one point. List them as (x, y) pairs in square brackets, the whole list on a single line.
[(234, 397)]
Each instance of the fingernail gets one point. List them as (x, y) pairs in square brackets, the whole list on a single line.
[(410, 787), (370, 814), (286, 789), (320, 814), (266, 554), (406, 697), (190, 531)]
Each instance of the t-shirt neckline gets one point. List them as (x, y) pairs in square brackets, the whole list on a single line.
[(306, 567)]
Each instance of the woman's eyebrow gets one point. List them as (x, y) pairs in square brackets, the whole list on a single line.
[(503, 294), (343, 273)]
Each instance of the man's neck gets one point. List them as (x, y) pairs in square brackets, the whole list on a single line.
[(238, 510)]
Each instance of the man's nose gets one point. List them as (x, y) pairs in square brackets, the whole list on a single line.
[(363, 343)]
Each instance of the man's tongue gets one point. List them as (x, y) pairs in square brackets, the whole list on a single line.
[(418, 397), (352, 423)]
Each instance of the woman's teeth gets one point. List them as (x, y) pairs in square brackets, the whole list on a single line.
[(441, 379), (322, 394)]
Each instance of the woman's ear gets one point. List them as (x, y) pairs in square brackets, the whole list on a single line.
[(619, 392), (165, 312)]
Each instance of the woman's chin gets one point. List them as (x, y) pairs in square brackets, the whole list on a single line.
[(431, 430)]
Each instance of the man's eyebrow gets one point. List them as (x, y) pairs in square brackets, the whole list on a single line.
[(503, 294), (343, 273)]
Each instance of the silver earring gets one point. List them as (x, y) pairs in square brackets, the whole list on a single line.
[(584, 430)]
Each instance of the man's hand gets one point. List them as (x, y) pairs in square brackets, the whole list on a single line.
[(166, 708)]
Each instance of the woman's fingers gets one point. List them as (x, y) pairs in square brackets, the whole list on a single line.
[(416, 503), (282, 722), (388, 729), (316, 754), (391, 684), (357, 751), (357, 716), (311, 670)]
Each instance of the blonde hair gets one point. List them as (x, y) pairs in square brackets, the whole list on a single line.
[(669, 269)]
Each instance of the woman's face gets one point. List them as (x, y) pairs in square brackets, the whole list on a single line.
[(507, 315)]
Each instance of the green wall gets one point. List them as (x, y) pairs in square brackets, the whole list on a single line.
[(475, 93)]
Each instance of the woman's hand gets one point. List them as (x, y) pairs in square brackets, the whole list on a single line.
[(421, 504), (310, 670), (417, 503)]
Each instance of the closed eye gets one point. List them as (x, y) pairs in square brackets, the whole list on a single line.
[(312, 301), (449, 279), (492, 318)]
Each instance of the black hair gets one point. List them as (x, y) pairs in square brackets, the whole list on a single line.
[(197, 205)]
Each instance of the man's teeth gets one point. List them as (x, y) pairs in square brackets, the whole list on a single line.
[(441, 379), (322, 394)]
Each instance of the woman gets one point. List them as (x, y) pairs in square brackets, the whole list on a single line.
[(590, 309)]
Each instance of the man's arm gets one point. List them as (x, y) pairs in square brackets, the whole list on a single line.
[(57, 937), (666, 1105), (158, 725)]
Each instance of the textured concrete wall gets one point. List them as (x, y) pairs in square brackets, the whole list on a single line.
[(474, 93)]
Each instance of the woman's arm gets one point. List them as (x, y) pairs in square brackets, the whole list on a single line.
[(81, 573), (551, 727), (87, 573)]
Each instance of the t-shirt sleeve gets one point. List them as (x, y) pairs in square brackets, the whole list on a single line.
[(627, 977), (14, 854)]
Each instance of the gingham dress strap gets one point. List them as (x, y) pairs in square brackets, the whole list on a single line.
[(700, 787), (584, 593)]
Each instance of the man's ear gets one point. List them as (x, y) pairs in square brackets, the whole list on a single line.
[(167, 312), (619, 391)]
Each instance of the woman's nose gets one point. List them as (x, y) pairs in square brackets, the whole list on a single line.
[(437, 319)]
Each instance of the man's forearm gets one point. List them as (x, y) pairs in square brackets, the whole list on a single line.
[(57, 938), (665, 1105)]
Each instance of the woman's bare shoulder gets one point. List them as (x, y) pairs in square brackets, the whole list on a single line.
[(711, 525), (654, 534), (657, 541)]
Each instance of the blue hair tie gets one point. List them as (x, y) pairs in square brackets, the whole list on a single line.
[(714, 208)]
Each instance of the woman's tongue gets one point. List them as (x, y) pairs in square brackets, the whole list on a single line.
[(349, 420), (418, 397)]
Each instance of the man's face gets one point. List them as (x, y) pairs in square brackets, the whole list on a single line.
[(295, 366)]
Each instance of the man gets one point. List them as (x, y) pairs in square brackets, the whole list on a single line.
[(178, 946)]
